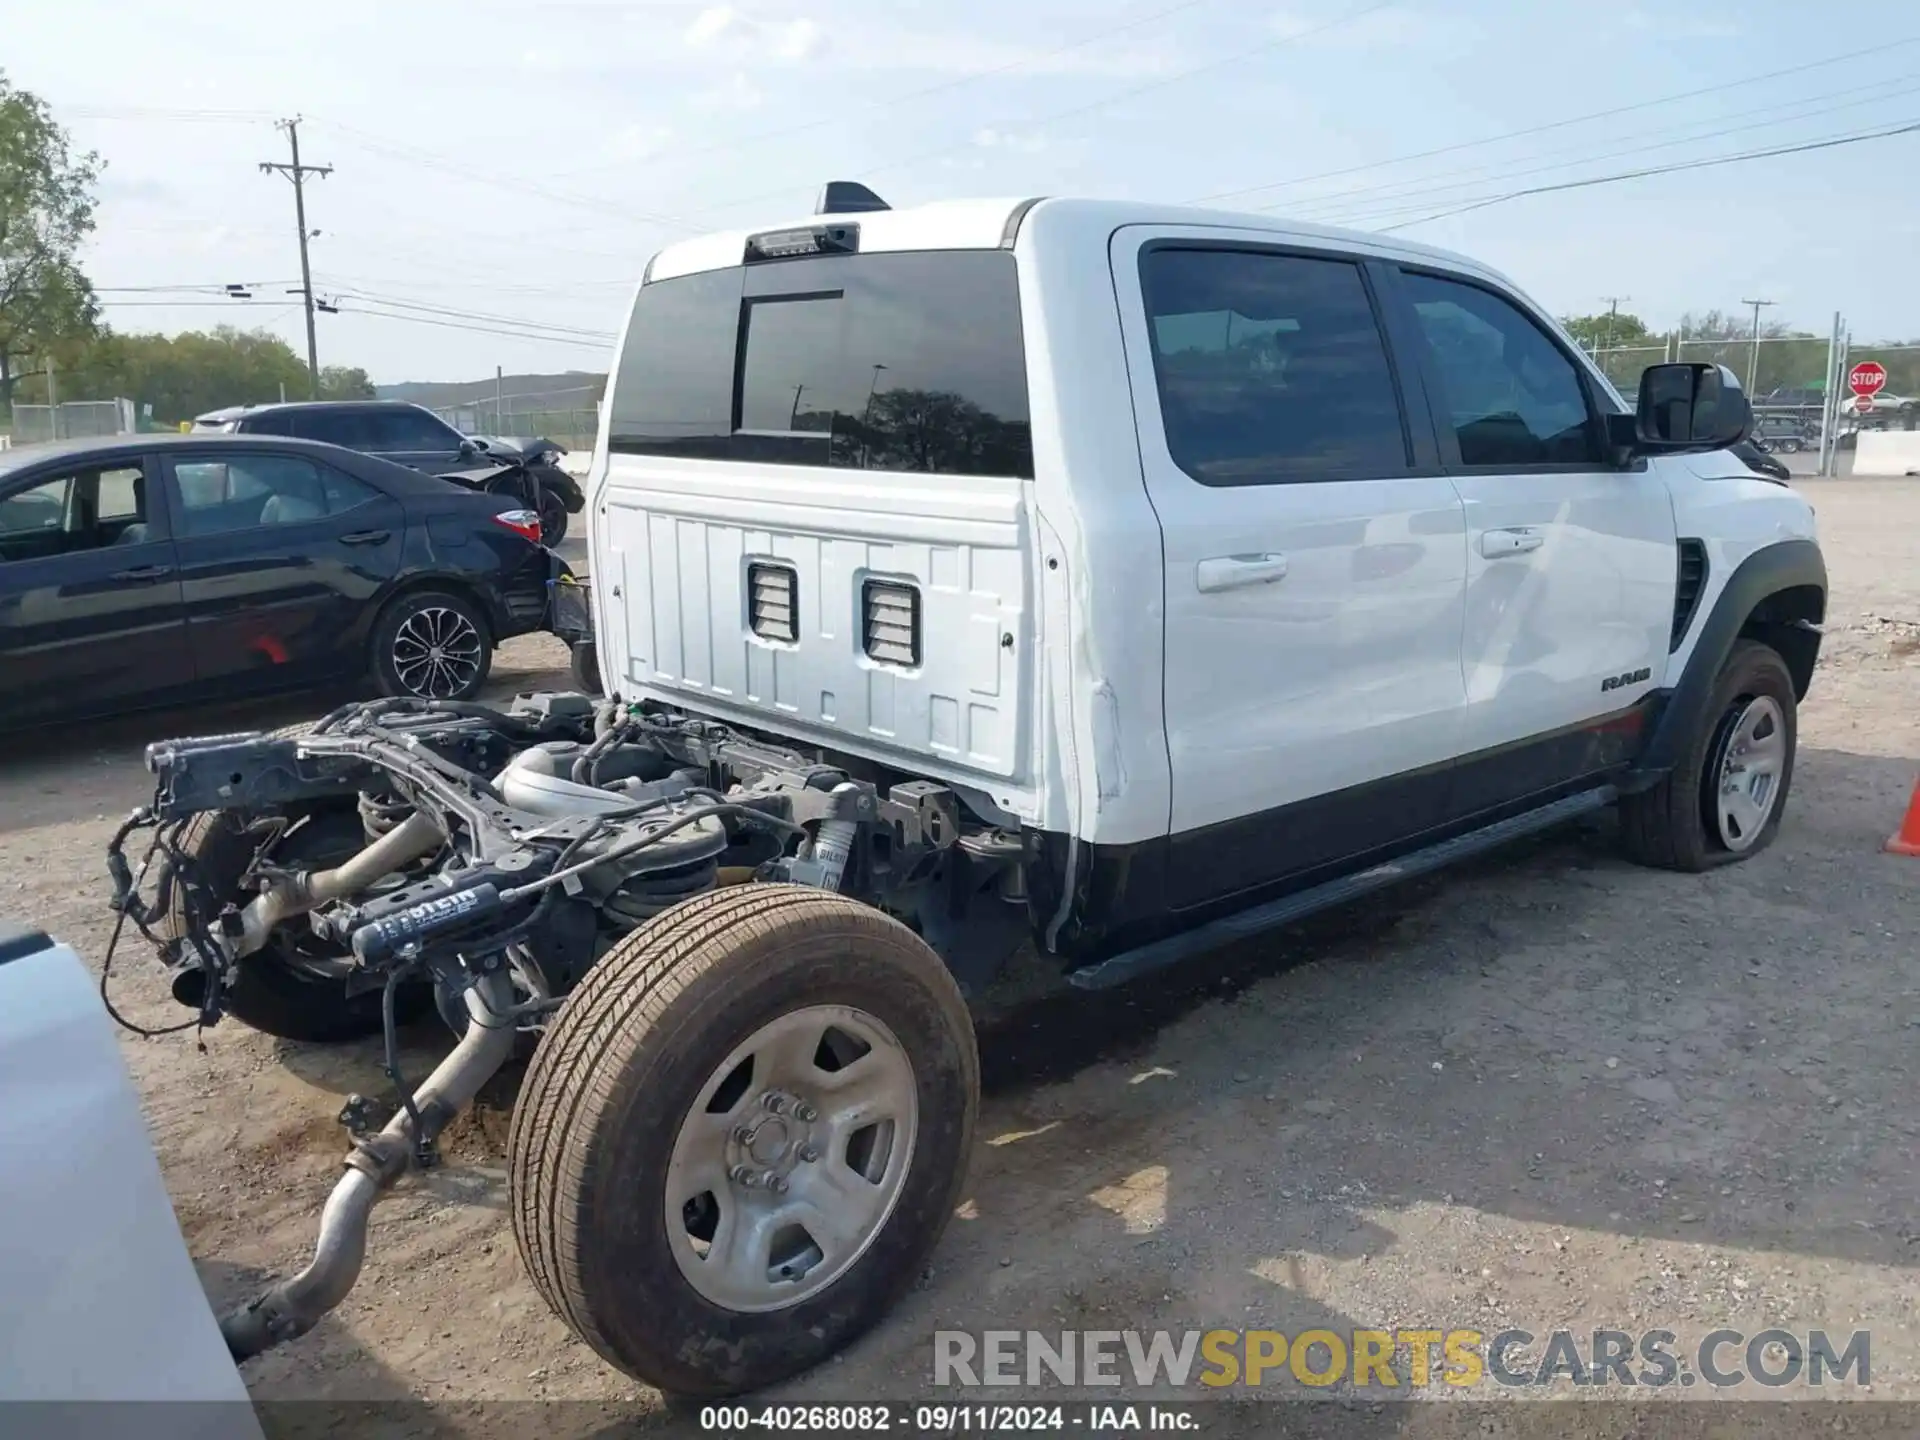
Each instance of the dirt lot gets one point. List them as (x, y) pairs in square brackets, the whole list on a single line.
[(1551, 1090)]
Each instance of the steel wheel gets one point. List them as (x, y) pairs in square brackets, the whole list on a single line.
[(792, 1159), (1747, 779), (436, 653)]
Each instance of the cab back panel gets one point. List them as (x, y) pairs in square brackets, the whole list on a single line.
[(683, 536), (815, 502)]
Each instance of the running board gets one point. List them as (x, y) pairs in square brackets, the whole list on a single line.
[(1125, 966)]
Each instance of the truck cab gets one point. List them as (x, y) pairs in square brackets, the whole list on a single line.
[(1220, 555)]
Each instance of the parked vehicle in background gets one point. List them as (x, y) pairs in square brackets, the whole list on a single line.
[(1788, 434), (560, 493), (410, 435), (1883, 406), (1754, 456), (145, 570)]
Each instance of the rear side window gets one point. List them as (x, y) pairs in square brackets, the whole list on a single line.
[(274, 422), (897, 362), (407, 430), (1270, 368), (332, 427)]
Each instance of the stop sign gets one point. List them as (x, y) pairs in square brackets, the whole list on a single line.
[(1867, 378)]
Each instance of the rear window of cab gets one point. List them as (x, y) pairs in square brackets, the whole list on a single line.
[(910, 362)]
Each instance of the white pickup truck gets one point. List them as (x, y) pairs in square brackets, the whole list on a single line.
[(1109, 578)]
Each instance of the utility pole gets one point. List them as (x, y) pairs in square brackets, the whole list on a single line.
[(1613, 310), (1753, 347), (298, 173)]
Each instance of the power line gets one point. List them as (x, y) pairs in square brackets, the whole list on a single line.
[(1560, 124), (297, 173), (1390, 196), (399, 303), (378, 145), (482, 329), (1739, 156)]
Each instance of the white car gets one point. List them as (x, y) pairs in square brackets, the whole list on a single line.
[(1882, 404), (1112, 578), (102, 1300)]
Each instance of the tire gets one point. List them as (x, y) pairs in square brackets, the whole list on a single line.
[(553, 516), (1677, 825), (274, 993), (585, 668), (599, 1130), (406, 662)]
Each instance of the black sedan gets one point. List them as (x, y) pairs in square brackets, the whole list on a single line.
[(147, 570)]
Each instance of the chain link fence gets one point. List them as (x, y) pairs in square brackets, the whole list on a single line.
[(568, 417), (73, 420)]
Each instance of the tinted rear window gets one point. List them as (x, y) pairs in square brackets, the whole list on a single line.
[(904, 362)]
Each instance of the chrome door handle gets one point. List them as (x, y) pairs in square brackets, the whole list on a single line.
[(1495, 544), (141, 574), (1230, 572)]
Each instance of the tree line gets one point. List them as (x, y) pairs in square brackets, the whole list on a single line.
[(1786, 359), (50, 316)]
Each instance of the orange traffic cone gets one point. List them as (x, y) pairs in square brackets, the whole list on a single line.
[(1906, 840)]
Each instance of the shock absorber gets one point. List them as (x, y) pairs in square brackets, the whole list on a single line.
[(832, 849)]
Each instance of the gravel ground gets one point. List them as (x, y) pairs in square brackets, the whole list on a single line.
[(1550, 1090)]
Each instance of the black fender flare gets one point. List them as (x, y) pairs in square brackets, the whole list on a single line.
[(1770, 570)]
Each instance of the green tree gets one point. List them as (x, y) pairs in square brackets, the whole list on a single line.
[(344, 382), (185, 375), (1606, 331), (47, 305)]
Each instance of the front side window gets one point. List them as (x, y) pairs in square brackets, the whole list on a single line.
[(89, 510), (245, 491), (1270, 367), (897, 362), (1512, 396)]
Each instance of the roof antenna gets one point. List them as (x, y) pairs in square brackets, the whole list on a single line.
[(847, 197)]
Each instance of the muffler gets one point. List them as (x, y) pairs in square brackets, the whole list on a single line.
[(295, 1306)]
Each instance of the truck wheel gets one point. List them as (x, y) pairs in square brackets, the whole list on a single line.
[(1724, 800), (553, 517), (742, 1136), (294, 987), (431, 645), (585, 667)]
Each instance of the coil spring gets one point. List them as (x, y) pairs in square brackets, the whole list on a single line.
[(380, 813), (645, 896)]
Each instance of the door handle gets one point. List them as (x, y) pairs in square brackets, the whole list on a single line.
[(1496, 544), (367, 537), (1230, 572), (142, 573)]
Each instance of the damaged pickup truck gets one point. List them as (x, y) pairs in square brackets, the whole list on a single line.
[(1112, 579)]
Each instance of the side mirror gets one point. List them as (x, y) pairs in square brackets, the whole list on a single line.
[(1690, 408), (468, 449)]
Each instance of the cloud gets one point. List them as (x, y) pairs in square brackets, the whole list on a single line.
[(638, 142), (709, 25), (735, 93), (1396, 28), (1681, 26), (1030, 143), (794, 40)]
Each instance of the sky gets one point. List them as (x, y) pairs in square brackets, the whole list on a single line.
[(502, 172)]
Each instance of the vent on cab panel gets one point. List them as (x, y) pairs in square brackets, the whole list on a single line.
[(773, 609), (1686, 594), (890, 624)]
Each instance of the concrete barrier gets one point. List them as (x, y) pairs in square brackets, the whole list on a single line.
[(1887, 452)]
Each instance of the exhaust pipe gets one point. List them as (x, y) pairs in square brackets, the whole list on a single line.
[(293, 1307), (406, 842)]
